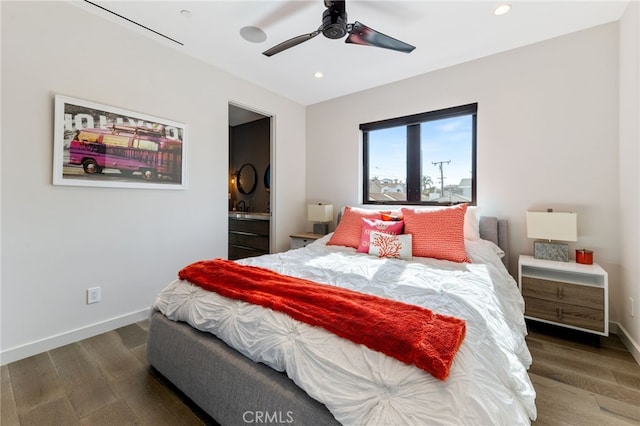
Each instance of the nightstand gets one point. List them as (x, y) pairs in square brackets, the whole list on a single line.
[(567, 294), (303, 239)]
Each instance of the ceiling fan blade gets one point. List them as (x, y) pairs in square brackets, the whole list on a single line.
[(286, 8), (361, 34), (290, 43)]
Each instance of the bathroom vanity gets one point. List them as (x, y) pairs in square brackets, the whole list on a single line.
[(248, 234)]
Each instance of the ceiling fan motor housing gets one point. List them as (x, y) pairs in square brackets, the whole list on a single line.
[(334, 23)]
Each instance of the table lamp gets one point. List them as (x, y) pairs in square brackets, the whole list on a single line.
[(321, 214), (548, 225)]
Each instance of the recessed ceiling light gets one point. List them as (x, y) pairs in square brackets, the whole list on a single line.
[(253, 34), (186, 13), (318, 75), (502, 9)]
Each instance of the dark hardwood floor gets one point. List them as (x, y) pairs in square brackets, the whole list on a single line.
[(106, 380), (103, 380)]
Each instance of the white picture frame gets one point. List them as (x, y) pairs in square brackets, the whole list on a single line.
[(104, 146)]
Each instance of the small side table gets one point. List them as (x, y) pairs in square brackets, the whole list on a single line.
[(303, 239), (567, 294)]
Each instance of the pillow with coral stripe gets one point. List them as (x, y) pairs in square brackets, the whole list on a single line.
[(387, 245), (388, 216), (368, 225), (438, 234), (349, 229)]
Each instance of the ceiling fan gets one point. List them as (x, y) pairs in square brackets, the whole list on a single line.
[(335, 26)]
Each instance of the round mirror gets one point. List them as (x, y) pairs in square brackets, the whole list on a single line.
[(247, 179), (267, 178)]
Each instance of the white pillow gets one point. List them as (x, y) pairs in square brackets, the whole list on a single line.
[(471, 224), (387, 245)]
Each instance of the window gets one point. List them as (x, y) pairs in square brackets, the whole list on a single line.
[(424, 159)]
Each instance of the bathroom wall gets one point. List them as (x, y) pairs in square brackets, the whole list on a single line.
[(250, 143)]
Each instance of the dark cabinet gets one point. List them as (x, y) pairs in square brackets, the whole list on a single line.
[(248, 237)]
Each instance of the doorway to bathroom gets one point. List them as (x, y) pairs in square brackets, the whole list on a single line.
[(250, 188)]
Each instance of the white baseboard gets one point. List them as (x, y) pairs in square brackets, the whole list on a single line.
[(43, 345), (632, 345)]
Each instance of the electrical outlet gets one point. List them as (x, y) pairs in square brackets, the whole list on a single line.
[(93, 295), (631, 312)]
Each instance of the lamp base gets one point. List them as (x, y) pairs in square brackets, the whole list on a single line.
[(551, 251), (321, 228)]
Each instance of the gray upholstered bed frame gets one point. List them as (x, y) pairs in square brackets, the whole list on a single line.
[(231, 388), (228, 386), (497, 231)]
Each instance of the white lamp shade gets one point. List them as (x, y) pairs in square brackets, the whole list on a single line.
[(559, 226), (320, 212)]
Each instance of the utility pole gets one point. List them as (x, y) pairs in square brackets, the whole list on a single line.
[(439, 164)]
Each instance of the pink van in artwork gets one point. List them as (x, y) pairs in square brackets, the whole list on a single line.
[(129, 149)]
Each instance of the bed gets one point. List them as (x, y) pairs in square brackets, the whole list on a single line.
[(244, 364)]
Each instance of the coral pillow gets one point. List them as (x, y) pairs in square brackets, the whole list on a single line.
[(387, 245), (437, 233), (368, 225), (349, 229)]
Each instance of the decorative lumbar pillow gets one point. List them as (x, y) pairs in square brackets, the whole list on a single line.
[(388, 245), (349, 229), (438, 234), (369, 225)]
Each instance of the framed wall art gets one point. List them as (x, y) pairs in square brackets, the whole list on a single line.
[(99, 145)]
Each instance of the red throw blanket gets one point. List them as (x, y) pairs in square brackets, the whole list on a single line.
[(409, 333)]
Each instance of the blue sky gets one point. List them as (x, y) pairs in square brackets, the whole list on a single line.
[(442, 140)]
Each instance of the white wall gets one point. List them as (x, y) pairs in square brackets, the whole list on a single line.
[(58, 241), (630, 174), (547, 137)]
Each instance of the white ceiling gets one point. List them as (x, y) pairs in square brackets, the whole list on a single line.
[(445, 33)]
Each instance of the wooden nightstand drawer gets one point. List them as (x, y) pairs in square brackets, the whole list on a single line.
[(300, 242), (574, 315), (303, 239), (589, 297)]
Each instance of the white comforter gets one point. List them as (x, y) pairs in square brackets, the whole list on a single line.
[(488, 382)]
